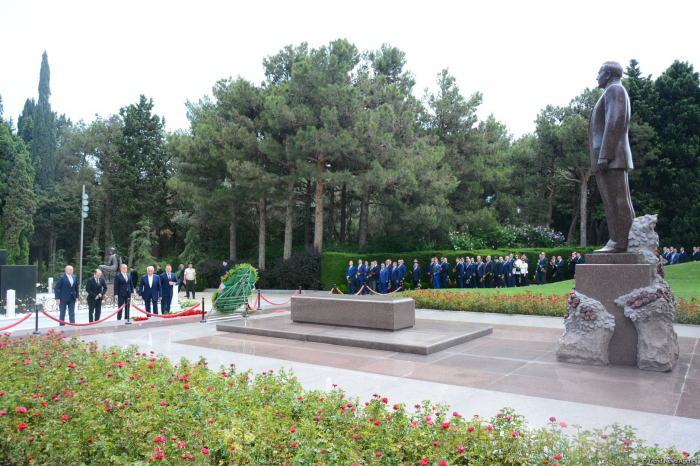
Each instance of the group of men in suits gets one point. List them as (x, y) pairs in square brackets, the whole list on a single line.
[(672, 256), (153, 288), (380, 278), (556, 266), (576, 259)]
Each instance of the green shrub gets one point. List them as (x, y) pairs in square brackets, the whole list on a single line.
[(70, 402), (302, 269), (333, 264)]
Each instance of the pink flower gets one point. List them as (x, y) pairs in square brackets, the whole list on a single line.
[(356, 437), (21, 410), (553, 419), (181, 444), (292, 429), (379, 454), (563, 424), (442, 463), (22, 426), (376, 423), (470, 429), (445, 425), (515, 434), (163, 403), (150, 366), (294, 445), (416, 406), (64, 418), (205, 450), (424, 461), (2, 413), (186, 387), (460, 449), (385, 400), (211, 421)]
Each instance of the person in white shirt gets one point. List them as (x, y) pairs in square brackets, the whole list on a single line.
[(190, 280), (517, 270)]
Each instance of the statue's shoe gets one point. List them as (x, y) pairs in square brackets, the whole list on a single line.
[(610, 248)]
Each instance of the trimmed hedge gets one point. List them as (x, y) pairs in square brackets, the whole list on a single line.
[(333, 264)]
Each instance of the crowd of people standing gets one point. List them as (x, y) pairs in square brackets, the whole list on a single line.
[(513, 270), (672, 256)]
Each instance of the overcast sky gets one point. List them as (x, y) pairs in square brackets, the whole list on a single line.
[(522, 55)]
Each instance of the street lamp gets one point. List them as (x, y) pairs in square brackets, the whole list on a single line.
[(83, 216)]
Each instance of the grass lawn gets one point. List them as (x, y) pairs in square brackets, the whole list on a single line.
[(684, 280)]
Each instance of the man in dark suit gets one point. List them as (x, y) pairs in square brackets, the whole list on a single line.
[(508, 271), (134, 279), (480, 272), (123, 289), (361, 276), (498, 271), (675, 257), (459, 273), (489, 272), (96, 289), (572, 265), (542, 269), (683, 256), (394, 272), (402, 273), (158, 270), (168, 284), (351, 275), (66, 293), (560, 269), (444, 272), (696, 254), (181, 277), (416, 274), (579, 259), (224, 269), (150, 290), (383, 278)]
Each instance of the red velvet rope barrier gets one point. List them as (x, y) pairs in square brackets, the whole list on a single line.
[(255, 304), (2, 329), (335, 288), (167, 316), (395, 291), (278, 304), (83, 325)]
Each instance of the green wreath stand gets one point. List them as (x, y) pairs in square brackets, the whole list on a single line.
[(238, 288)]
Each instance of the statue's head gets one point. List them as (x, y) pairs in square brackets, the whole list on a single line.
[(609, 70), (112, 250)]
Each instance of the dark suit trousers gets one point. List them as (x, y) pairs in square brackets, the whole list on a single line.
[(415, 284), (148, 301), (122, 300), (94, 309), (71, 310), (165, 303), (189, 288)]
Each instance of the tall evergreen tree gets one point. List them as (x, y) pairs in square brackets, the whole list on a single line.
[(43, 143)]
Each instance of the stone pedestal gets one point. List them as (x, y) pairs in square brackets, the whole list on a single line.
[(377, 312), (606, 277)]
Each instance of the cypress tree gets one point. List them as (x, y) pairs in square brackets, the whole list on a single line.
[(43, 139)]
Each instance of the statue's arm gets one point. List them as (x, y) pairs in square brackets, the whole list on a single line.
[(615, 112)]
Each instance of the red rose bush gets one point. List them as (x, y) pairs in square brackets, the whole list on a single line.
[(68, 401)]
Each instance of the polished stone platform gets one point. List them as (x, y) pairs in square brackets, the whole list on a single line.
[(424, 338), (373, 312)]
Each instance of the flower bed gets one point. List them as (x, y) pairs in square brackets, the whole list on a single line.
[(67, 401), (528, 303)]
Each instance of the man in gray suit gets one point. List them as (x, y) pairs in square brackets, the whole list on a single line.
[(611, 157)]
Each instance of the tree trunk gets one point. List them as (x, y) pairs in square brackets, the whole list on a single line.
[(156, 245), (289, 218), (52, 253), (550, 205), (574, 220), (583, 199), (307, 215), (40, 262), (343, 213), (318, 222), (98, 225), (108, 226), (331, 211), (261, 235), (232, 252), (131, 251), (364, 219)]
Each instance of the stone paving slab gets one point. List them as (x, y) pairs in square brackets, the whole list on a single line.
[(424, 338)]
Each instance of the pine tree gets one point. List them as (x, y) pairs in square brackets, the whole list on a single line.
[(43, 142)]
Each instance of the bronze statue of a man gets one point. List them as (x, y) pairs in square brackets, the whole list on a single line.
[(611, 157)]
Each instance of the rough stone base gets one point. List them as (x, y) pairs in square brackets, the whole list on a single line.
[(606, 282), (589, 348), (658, 346)]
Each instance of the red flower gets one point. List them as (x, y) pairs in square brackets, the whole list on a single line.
[(292, 429), (150, 366), (64, 418), (205, 450), (21, 409), (376, 423), (515, 433), (470, 429), (356, 437), (424, 461), (379, 454), (557, 457), (460, 449), (553, 419), (294, 445), (186, 387), (445, 425), (22, 426), (442, 463)]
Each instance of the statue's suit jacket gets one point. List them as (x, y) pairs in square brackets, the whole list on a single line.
[(608, 128)]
